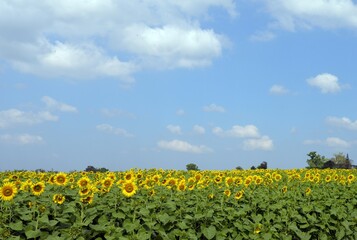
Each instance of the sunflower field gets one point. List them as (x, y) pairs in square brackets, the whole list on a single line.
[(174, 204)]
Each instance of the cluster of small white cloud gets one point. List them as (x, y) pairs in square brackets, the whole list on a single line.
[(14, 117), (81, 39)]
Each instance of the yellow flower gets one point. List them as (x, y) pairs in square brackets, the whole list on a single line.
[(61, 179), (129, 189), (229, 181), (350, 178), (8, 191), (258, 180), (308, 191), (284, 189), (239, 195), (87, 199), (107, 182), (328, 178), (247, 181), (83, 182), (258, 229), (38, 188), (181, 186), (227, 192), (277, 177), (58, 198)]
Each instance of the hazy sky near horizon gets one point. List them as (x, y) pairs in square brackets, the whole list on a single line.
[(160, 84)]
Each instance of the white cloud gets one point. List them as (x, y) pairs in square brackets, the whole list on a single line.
[(54, 104), (334, 142), (91, 39), (247, 131), (337, 142), (116, 113), (174, 129), (14, 117), (326, 14), (263, 36), (213, 108), (326, 82), (199, 129), (262, 143), (182, 146), (180, 112), (278, 90), (23, 139), (342, 122), (112, 130)]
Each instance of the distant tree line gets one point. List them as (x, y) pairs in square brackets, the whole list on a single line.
[(93, 169), (339, 160)]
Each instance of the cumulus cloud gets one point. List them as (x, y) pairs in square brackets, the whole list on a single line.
[(84, 40), (13, 117), (174, 129), (326, 82), (213, 108), (199, 129), (342, 122), (278, 90), (23, 139), (182, 146), (247, 131), (306, 14), (334, 142), (54, 104), (261, 143), (112, 130)]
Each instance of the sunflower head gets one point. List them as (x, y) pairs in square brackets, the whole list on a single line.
[(61, 179), (238, 195), (58, 198), (38, 188), (129, 189), (8, 191)]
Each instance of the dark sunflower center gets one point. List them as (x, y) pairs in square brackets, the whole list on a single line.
[(129, 188), (7, 192)]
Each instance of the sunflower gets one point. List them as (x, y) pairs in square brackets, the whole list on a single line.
[(83, 182), (238, 195), (210, 196), (129, 176), (58, 198), (61, 179), (218, 179), (277, 177), (84, 191), (8, 191), (88, 199), (350, 178), (171, 183), (284, 189), (229, 181), (181, 186), (247, 181), (38, 188), (107, 182), (238, 180), (227, 192), (129, 189), (308, 191), (328, 178), (151, 192), (258, 180)]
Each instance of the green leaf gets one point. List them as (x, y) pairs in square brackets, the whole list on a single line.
[(164, 218), (209, 232), (119, 215), (32, 234), (18, 226)]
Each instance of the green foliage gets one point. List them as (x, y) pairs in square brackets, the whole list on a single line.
[(192, 166), (315, 160)]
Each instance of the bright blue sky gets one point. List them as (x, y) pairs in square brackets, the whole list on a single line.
[(160, 84)]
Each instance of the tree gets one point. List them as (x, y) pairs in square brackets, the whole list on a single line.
[(341, 161), (263, 165), (192, 166), (239, 168), (316, 160)]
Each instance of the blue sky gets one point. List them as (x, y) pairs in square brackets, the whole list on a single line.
[(160, 84)]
